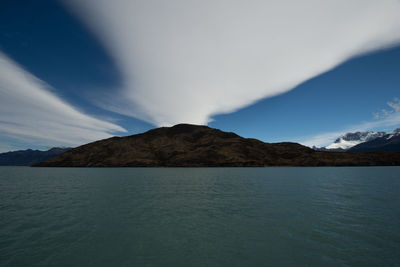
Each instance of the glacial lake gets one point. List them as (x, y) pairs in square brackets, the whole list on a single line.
[(200, 216)]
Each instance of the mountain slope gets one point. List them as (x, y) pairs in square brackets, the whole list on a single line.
[(349, 140), (388, 142), (191, 145), (29, 157)]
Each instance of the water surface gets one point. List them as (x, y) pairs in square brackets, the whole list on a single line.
[(200, 216)]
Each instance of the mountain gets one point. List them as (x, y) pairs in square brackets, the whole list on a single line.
[(364, 142), (387, 142), (349, 140), (199, 146), (29, 157), (328, 150)]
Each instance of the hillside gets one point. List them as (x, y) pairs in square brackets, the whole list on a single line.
[(192, 145), (386, 143)]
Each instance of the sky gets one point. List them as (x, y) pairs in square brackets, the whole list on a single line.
[(76, 71)]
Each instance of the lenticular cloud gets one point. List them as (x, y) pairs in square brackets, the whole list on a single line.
[(187, 60)]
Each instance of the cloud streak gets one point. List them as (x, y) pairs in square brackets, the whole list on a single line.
[(185, 61), (30, 112)]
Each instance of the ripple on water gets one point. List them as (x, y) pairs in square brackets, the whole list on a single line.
[(199, 216)]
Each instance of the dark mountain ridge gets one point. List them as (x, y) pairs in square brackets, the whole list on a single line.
[(385, 143), (29, 157), (185, 145)]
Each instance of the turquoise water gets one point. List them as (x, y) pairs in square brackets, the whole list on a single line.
[(200, 216)]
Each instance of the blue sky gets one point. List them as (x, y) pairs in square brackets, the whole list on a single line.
[(72, 73), (347, 98)]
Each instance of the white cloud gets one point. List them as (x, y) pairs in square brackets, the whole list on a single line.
[(395, 104), (30, 112), (384, 119), (394, 107), (187, 60)]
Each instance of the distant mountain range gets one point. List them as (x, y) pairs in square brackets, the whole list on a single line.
[(192, 145), (186, 145), (365, 142), (29, 157)]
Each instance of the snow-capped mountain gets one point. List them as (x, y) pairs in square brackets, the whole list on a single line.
[(349, 140), (388, 142), (365, 141), (396, 132)]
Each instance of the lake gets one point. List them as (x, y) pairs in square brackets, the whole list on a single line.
[(200, 216)]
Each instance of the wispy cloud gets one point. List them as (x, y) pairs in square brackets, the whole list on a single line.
[(185, 61), (30, 112), (389, 117), (395, 104)]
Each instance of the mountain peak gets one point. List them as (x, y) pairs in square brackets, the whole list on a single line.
[(196, 145), (396, 131), (349, 140)]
